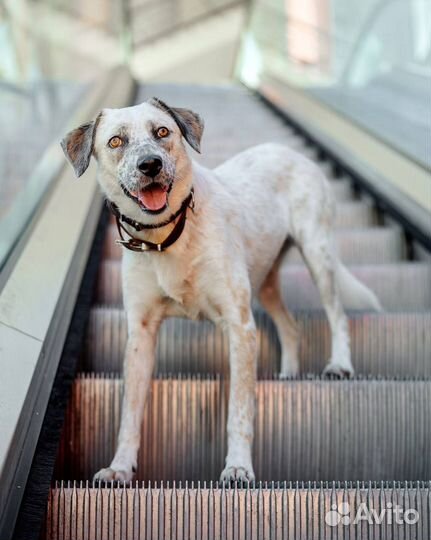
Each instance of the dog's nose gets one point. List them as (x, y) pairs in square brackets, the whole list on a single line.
[(150, 166)]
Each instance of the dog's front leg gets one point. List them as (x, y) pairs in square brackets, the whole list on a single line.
[(138, 369), (240, 424)]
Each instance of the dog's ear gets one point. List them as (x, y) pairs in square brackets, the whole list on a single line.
[(191, 124), (78, 145)]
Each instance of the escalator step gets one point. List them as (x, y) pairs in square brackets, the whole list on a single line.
[(355, 246), (351, 214), (376, 245), (405, 286), (381, 344), (304, 429), (342, 190), (268, 512)]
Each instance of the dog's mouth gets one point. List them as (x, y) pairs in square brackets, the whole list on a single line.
[(152, 198)]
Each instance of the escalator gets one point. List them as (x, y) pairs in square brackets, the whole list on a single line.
[(324, 449)]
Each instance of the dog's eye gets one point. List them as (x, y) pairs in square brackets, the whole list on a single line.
[(115, 142), (162, 132)]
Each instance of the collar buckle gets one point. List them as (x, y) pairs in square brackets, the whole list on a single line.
[(192, 200)]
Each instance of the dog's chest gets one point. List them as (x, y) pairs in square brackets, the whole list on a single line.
[(181, 284)]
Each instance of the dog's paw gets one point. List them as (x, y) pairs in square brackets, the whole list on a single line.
[(233, 475), (289, 367), (112, 475), (289, 373), (338, 371)]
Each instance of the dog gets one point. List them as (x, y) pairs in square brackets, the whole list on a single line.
[(202, 243)]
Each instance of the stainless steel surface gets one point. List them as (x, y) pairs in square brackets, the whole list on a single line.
[(342, 190), (304, 429), (369, 245), (402, 286), (204, 511), (387, 344), (355, 214)]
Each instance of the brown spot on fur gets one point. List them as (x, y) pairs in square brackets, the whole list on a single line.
[(78, 145), (249, 244), (242, 299), (190, 124), (246, 436), (218, 309), (76, 140), (244, 314)]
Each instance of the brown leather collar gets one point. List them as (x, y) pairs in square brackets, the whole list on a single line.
[(139, 245)]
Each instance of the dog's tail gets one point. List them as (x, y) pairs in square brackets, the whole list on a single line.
[(354, 294)]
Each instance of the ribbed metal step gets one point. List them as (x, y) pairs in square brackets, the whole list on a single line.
[(342, 190), (304, 429), (371, 245), (404, 286), (268, 512), (355, 246), (351, 214), (381, 344)]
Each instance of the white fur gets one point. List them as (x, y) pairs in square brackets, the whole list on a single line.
[(354, 294), (230, 250)]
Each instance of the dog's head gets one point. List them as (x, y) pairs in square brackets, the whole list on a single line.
[(142, 161)]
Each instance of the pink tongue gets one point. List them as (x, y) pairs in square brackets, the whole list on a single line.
[(153, 198)]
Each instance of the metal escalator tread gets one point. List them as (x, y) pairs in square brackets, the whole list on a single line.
[(371, 245), (355, 214), (207, 511), (305, 430), (402, 286), (385, 344), (342, 190)]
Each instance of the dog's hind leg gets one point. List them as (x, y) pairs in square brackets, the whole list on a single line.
[(271, 300), (322, 262)]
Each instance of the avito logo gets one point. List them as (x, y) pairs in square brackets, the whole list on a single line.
[(390, 514)]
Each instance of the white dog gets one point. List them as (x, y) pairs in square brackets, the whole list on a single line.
[(241, 218)]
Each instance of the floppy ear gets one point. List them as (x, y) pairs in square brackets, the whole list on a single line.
[(191, 124), (78, 146)]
